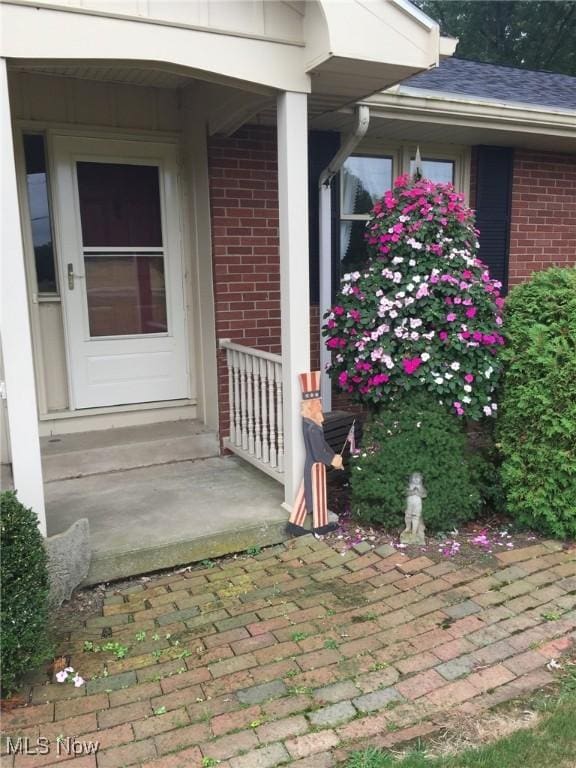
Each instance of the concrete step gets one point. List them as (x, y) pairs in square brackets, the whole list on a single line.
[(144, 520), (94, 453)]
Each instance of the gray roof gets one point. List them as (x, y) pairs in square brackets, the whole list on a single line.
[(497, 83)]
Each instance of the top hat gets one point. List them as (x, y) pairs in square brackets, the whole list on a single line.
[(310, 385)]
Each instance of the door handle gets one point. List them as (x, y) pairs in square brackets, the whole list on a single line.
[(72, 275)]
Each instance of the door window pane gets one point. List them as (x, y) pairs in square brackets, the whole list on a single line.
[(126, 295), (39, 206), (119, 205), (364, 180), (438, 171)]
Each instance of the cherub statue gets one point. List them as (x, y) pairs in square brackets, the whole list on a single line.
[(415, 492)]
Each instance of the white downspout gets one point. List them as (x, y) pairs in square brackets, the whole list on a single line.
[(325, 242)]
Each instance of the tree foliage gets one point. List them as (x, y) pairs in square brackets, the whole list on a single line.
[(529, 34)]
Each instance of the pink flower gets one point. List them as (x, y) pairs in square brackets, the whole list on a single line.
[(469, 378), (471, 312), (411, 364), (343, 378), (458, 408), (61, 676), (78, 681), (355, 315), (450, 317), (338, 310), (443, 336)]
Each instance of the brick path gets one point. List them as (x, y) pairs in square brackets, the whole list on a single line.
[(299, 655)]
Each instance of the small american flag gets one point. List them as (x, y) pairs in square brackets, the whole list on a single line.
[(351, 438)]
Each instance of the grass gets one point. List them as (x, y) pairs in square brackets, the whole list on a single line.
[(551, 743)]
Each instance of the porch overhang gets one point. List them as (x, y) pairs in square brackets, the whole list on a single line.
[(358, 51)]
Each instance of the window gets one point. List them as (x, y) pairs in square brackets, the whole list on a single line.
[(40, 217), (438, 171), (363, 180)]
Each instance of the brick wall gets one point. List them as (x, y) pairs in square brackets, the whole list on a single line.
[(244, 218), (543, 226)]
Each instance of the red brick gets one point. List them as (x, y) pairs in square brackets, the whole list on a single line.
[(150, 726), (118, 715), (127, 755), (228, 746), (233, 721), (279, 730), (191, 758), (492, 677), (452, 694), (38, 713), (310, 744), (420, 685), (178, 738)]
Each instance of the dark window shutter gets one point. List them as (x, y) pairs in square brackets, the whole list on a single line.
[(322, 146), (493, 206)]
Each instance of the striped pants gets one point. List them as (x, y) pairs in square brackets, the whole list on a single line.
[(319, 502)]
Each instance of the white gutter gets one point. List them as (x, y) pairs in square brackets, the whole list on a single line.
[(325, 242)]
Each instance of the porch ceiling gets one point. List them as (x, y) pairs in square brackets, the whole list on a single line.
[(112, 73)]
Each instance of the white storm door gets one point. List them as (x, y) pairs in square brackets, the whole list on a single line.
[(121, 271)]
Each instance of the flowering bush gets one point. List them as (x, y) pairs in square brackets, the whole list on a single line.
[(424, 312)]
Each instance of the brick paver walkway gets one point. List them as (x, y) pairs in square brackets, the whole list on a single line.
[(300, 654)]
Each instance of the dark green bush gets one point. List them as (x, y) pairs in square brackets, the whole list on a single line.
[(537, 421), (25, 588), (414, 434)]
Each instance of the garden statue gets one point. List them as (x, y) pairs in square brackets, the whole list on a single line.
[(415, 492), (312, 495)]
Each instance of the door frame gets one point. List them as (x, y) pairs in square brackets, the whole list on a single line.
[(107, 141)]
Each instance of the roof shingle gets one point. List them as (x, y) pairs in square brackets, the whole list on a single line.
[(498, 83)]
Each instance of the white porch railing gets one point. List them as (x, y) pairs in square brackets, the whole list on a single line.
[(255, 407)]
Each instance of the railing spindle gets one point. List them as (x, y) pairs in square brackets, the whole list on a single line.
[(279, 415), (272, 414), (265, 422)]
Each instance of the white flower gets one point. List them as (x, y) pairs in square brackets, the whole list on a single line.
[(393, 313), (439, 380), (410, 287), (414, 336), (415, 322), (412, 262), (397, 277), (78, 681), (397, 260), (403, 218), (488, 372), (487, 410), (425, 356), (416, 278), (455, 366), (466, 399), (467, 388), (408, 301), (494, 406), (400, 295), (448, 376), (418, 424), (61, 676)]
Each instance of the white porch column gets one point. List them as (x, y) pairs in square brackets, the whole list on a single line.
[(15, 331), (294, 281)]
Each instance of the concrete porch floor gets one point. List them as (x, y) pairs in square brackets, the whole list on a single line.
[(143, 520)]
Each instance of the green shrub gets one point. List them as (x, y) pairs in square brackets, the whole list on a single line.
[(25, 588), (414, 434), (537, 422)]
